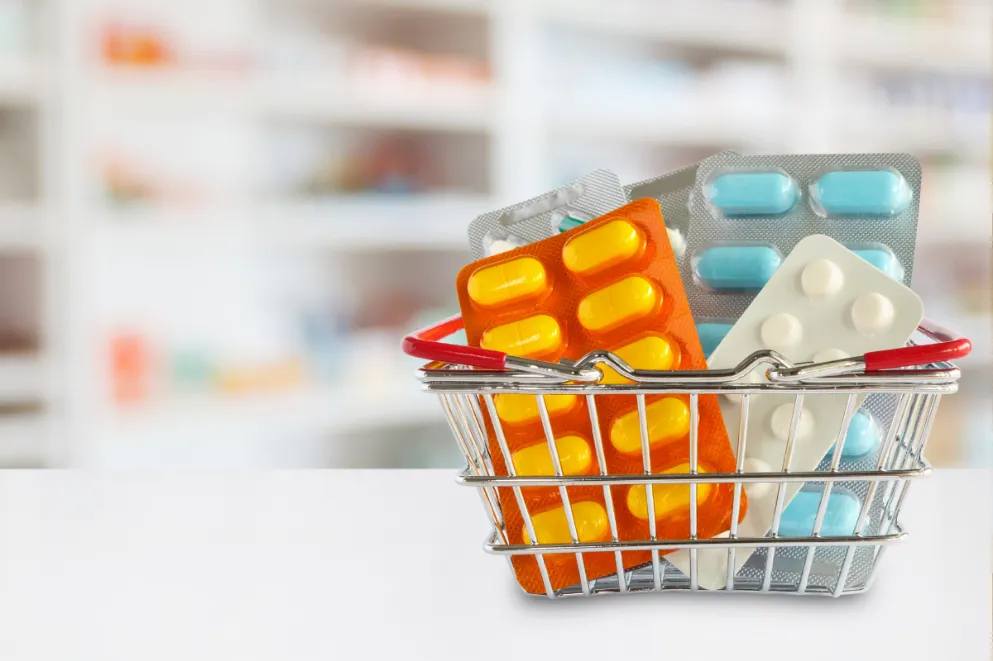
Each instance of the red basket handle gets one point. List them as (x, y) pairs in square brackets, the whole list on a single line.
[(424, 344), (950, 346)]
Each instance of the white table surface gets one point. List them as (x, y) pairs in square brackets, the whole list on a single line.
[(378, 564)]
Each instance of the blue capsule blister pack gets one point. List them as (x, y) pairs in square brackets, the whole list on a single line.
[(747, 213)]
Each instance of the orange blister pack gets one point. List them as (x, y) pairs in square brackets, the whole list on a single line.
[(611, 284)]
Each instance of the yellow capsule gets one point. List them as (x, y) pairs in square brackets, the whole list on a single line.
[(518, 409), (617, 304), (603, 247), (551, 527), (668, 419), (648, 353), (526, 337), (668, 498), (574, 457), (506, 282)]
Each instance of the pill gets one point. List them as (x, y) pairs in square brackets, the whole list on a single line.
[(518, 409), (617, 304), (507, 282), (737, 268), (757, 489), (498, 246), (753, 193), (755, 376), (782, 418), (883, 260), (552, 527), (574, 457), (569, 223), (711, 334), (821, 278), (532, 336), (829, 354), (677, 242), (648, 353), (781, 331), (840, 516), (861, 192), (862, 438), (668, 420), (872, 313), (668, 498), (602, 247)]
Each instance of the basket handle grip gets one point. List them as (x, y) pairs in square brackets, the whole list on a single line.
[(425, 344), (950, 346)]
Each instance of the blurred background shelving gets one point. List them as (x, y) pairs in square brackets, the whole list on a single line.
[(218, 219)]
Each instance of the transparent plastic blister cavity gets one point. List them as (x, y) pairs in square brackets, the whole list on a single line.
[(546, 215), (748, 212)]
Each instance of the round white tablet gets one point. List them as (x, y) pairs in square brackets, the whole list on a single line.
[(783, 416), (757, 489), (821, 278), (872, 313), (827, 355), (677, 242), (498, 246), (752, 377), (781, 331)]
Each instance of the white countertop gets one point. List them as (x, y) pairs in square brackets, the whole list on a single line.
[(379, 564)]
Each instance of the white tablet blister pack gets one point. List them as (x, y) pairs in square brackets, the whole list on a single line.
[(541, 217), (823, 303)]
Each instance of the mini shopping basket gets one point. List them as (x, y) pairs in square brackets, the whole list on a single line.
[(902, 386)]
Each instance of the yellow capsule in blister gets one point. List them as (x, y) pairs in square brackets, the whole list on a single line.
[(507, 282), (600, 248), (551, 527), (532, 336), (574, 457), (518, 409), (617, 304), (668, 498), (648, 353), (668, 419)]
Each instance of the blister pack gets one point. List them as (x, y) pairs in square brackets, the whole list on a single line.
[(748, 212), (823, 303), (612, 284), (546, 215), (672, 190)]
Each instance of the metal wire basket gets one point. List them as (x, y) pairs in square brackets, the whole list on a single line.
[(901, 387)]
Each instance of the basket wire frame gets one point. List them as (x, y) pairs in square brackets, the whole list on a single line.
[(813, 564)]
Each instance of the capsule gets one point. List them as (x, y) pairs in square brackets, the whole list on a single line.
[(649, 353), (883, 260), (602, 247), (668, 420), (569, 223), (617, 304), (840, 516), (711, 335), (737, 268), (508, 282), (880, 193), (519, 409), (668, 498), (574, 457), (862, 438), (533, 336), (552, 527), (753, 193)]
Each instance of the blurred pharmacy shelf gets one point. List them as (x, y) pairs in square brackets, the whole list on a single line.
[(23, 440), (356, 154)]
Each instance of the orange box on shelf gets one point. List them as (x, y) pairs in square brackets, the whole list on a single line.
[(611, 284)]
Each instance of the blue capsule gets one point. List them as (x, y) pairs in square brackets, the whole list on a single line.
[(883, 260), (862, 438), (753, 193), (840, 516), (711, 334), (881, 193), (737, 268)]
